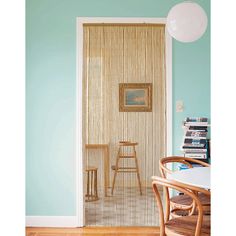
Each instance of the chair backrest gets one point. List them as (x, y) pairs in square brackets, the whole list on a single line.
[(178, 159), (165, 170), (186, 189)]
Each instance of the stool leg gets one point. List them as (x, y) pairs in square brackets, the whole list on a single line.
[(116, 169), (138, 175), (92, 193)]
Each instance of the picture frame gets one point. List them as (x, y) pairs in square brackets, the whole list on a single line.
[(135, 97)]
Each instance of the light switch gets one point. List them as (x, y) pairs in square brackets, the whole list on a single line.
[(179, 106)]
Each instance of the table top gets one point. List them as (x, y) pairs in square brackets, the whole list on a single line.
[(97, 145), (198, 176)]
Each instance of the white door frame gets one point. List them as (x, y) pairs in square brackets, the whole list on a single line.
[(79, 75)]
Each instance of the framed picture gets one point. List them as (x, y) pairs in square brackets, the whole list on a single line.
[(136, 97)]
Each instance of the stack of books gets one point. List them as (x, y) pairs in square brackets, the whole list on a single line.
[(195, 143)]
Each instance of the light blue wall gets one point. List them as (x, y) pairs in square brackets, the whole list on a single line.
[(50, 91)]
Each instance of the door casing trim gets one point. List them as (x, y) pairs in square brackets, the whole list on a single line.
[(80, 214)]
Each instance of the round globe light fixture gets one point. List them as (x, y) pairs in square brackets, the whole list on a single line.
[(186, 21)]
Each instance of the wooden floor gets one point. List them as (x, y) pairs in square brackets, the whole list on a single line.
[(87, 231)]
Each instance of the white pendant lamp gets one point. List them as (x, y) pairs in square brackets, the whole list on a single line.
[(186, 21)]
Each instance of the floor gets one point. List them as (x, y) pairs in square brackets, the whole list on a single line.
[(125, 208), (92, 231), (127, 211)]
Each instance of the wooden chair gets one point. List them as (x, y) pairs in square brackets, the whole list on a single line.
[(126, 150), (197, 225), (92, 192), (182, 204)]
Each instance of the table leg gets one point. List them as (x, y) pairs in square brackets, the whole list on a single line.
[(106, 169)]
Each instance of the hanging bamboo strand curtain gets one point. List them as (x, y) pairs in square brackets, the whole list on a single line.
[(116, 54)]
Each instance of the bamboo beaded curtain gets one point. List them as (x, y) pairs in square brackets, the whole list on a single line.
[(128, 53)]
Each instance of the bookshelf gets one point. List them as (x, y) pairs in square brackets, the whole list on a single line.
[(196, 141)]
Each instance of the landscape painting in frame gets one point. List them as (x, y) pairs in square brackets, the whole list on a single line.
[(135, 97)]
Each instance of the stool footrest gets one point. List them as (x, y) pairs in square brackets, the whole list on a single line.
[(127, 168), (126, 154)]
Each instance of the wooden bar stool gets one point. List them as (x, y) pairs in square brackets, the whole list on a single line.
[(92, 192), (124, 147)]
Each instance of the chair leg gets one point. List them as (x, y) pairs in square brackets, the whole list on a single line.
[(138, 175), (116, 169)]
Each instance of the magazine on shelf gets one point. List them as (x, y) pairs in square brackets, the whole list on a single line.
[(197, 128), (196, 123), (196, 134), (190, 146), (196, 119), (196, 141), (196, 155), (194, 150)]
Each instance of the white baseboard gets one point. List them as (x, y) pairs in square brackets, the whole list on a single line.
[(52, 221)]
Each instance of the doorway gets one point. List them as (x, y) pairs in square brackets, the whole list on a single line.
[(115, 54)]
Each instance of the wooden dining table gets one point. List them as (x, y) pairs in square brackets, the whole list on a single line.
[(105, 148), (197, 176)]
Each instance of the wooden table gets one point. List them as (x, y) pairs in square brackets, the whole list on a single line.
[(198, 176), (105, 148)]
